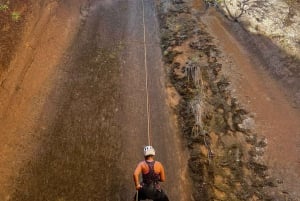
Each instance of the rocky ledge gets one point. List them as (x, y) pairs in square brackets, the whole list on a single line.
[(226, 155)]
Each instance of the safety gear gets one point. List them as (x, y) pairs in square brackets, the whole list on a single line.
[(149, 151), (151, 177), (150, 188), (138, 187)]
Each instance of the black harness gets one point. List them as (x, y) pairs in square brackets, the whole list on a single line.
[(151, 177), (150, 185)]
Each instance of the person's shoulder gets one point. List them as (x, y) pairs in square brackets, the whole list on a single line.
[(158, 163), (141, 163), (158, 166)]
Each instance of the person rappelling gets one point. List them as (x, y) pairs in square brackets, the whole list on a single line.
[(152, 173)]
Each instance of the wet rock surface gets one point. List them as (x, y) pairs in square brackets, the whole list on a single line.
[(226, 155)]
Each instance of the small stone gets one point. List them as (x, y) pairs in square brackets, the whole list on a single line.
[(248, 124), (221, 111), (178, 1)]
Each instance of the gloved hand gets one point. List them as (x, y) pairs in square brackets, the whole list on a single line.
[(138, 187)]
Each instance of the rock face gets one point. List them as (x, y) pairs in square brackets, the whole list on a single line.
[(276, 19), (226, 155), (277, 22)]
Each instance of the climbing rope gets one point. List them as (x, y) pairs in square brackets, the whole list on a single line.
[(146, 78)]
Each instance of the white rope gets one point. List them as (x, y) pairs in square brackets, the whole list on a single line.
[(146, 75)]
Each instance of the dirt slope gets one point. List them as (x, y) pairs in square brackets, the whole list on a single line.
[(26, 82)]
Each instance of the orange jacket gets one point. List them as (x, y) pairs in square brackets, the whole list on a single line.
[(142, 167)]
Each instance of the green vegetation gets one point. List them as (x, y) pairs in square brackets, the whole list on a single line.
[(12, 23), (15, 16), (292, 2), (3, 7), (214, 3)]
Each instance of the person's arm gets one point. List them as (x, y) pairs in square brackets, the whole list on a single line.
[(136, 174), (162, 173)]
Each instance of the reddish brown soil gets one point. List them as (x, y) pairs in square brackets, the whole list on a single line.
[(11, 29), (26, 81)]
